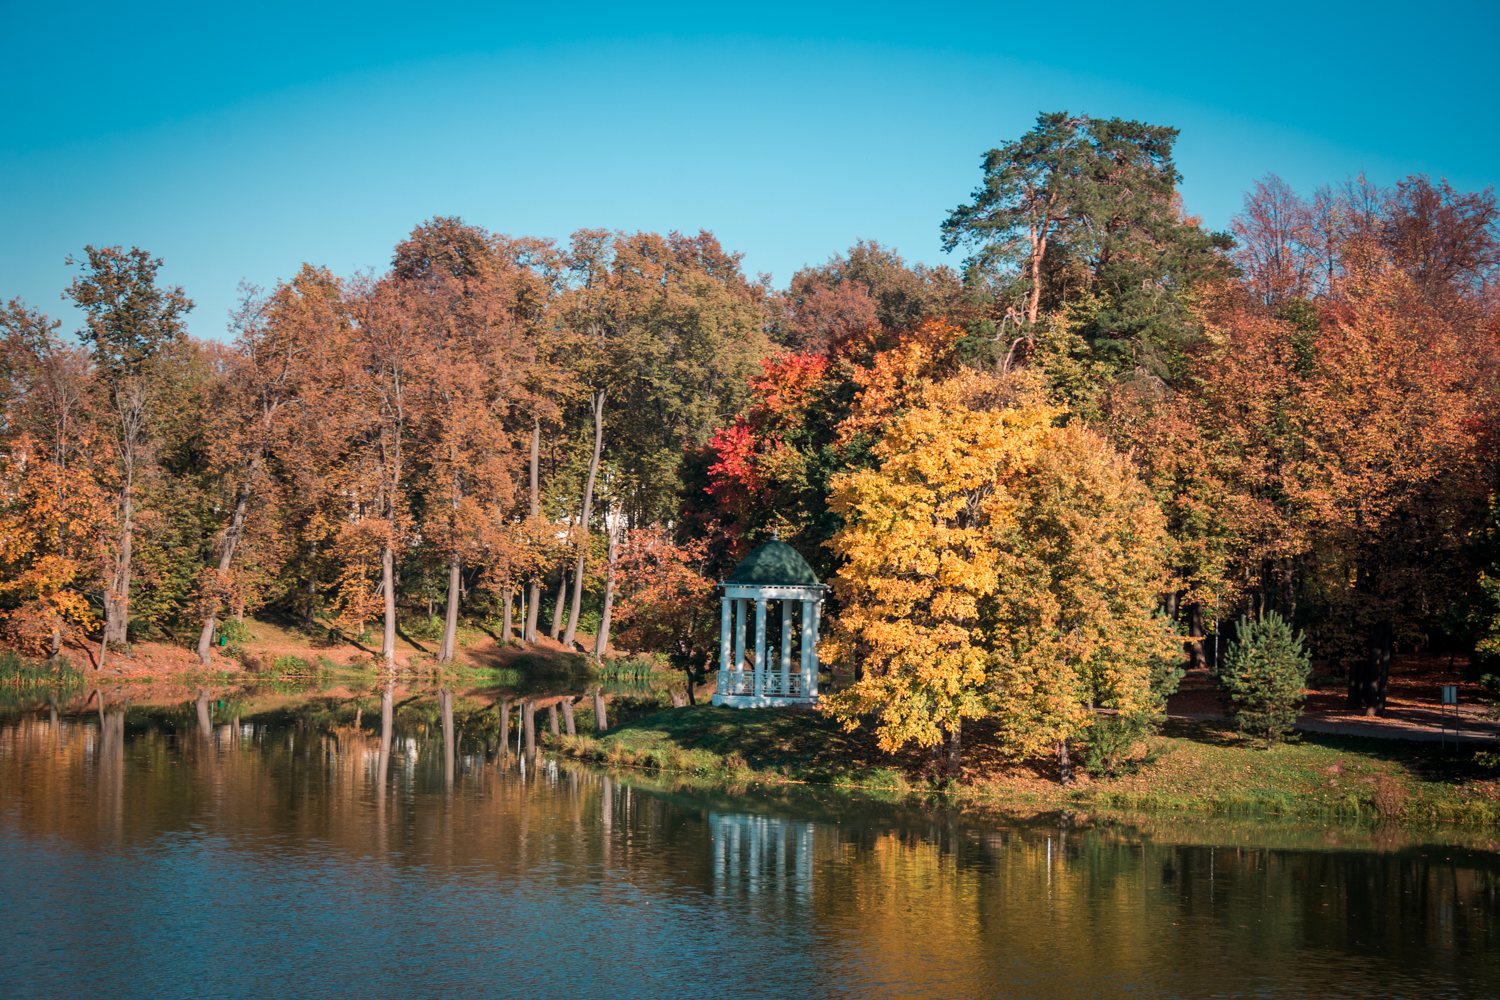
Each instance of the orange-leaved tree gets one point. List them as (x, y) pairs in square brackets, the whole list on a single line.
[(667, 603), (268, 390), (56, 514)]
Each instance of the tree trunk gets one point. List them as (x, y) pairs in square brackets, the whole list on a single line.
[(557, 608), (505, 613), (601, 641), (450, 613), (534, 585), (312, 588), (601, 723), (1038, 251), (567, 709), (505, 728), (528, 723), (388, 582), (533, 603), (226, 558), (1064, 765), (552, 718), (1194, 646), (117, 593), (956, 748), (583, 524)]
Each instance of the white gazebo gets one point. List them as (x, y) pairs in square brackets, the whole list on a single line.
[(788, 602)]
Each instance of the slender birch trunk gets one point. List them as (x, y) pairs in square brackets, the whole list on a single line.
[(601, 641), (597, 402), (533, 602), (455, 567)]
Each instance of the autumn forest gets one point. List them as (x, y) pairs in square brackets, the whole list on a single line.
[(1041, 479)]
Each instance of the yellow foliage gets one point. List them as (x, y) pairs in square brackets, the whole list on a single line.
[(995, 564), (1083, 564), (919, 558), (50, 527)]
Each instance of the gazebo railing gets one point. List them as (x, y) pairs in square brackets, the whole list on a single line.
[(737, 682)]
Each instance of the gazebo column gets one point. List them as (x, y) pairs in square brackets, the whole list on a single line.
[(786, 648), (760, 647), (739, 640), (726, 638), (809, 641), (817, 627)]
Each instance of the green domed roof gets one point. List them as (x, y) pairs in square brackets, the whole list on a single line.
[(774, 564)]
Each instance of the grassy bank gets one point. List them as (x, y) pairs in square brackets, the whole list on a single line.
[(1190, 767)]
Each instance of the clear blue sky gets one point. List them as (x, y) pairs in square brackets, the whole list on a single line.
[(238, 140)]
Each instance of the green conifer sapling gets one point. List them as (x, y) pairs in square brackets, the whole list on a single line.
[(1265, 671)]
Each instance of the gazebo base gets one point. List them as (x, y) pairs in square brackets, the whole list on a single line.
[(763, 701)]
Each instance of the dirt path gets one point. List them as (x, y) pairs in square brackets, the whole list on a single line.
[(1413, 711)]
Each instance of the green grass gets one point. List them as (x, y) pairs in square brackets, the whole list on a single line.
[(741, 745), (1201, 768), (19, 671)]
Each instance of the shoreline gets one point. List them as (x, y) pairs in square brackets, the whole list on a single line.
[(1193, 767)]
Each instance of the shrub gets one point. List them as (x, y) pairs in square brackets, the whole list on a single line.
[(232, 631), (291, 666), (1110, 740), (1263, 676)]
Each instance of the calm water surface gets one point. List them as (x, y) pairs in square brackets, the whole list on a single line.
[(152, 860)]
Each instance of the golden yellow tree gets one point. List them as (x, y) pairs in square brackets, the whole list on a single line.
[(919, 558), (996, 564), (1074, 623)]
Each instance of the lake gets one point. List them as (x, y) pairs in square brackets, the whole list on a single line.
[(152, 854)]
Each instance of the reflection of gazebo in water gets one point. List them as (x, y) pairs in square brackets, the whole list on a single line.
[(788, 603)]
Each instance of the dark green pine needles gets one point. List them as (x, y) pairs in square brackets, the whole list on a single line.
[(1264, 673)]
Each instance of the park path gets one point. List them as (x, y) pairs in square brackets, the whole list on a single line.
[(1399, 724), (1412, 709)]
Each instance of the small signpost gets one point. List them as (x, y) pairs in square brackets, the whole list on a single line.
[(1450, 697)]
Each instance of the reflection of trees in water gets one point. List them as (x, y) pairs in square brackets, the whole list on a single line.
[(890, 884)]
